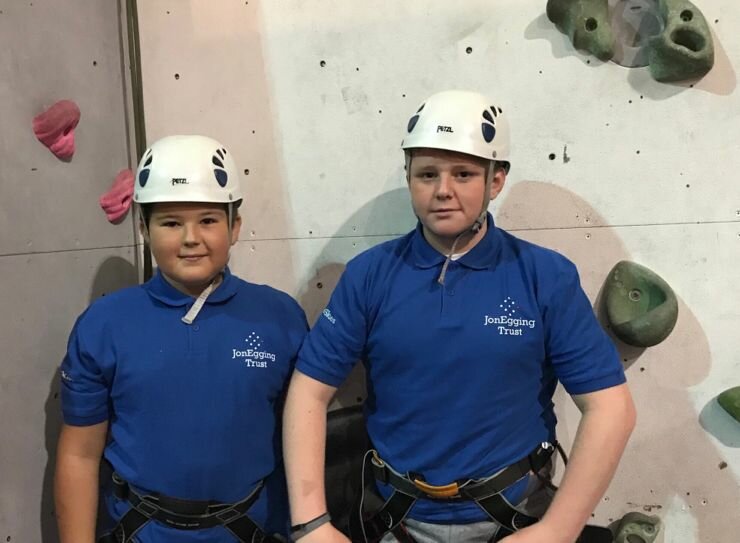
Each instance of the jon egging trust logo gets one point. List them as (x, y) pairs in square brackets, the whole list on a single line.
[(507, 322), (255, 355)]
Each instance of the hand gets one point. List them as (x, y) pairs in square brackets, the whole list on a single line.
[(325, 534), (537, 533)]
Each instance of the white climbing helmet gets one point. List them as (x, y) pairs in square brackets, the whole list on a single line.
[(187, 169), (462, 121)]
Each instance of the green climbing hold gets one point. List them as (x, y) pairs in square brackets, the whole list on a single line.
[(730, 402), (640, 306), (586, 23), (685, 49), (637, 528)]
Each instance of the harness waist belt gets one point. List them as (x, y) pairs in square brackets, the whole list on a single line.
[(469, 489), (184, 514)]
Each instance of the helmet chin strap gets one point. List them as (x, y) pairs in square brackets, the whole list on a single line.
[(201, 300), (477, 224)]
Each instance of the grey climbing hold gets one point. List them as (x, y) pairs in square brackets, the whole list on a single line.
[(641, 307), (637, 528)]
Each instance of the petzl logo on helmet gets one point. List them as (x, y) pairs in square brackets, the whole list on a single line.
[(445, 129), (179, 181)]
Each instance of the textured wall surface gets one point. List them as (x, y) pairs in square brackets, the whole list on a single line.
[(57, 251)]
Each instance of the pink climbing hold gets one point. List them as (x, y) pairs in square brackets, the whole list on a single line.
[(55, 128), (117, 201)]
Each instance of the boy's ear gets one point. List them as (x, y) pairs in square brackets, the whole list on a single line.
[(235, 228), (143, 230), (499, 179)]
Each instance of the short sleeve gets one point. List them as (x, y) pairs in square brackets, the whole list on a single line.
[(582, 355), (85, 392), (338, 339)]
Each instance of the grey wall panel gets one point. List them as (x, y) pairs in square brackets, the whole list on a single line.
[(57, 250), (51, 51), (42, 297)]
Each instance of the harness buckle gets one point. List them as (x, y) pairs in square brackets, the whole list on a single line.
[(228, 515), (147, 509), (451, 490)]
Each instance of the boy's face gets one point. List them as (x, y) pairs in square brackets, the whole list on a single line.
[(447, 190), (190, 242)]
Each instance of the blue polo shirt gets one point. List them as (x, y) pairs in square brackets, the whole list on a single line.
[(461, 376), (194, 410)]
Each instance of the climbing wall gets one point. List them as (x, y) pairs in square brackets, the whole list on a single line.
[(312, 97), (57, 250)]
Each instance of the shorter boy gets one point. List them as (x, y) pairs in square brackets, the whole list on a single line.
[(178, 383)]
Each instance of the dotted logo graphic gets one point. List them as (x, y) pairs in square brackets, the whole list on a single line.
[(508, 307), (254, 341)]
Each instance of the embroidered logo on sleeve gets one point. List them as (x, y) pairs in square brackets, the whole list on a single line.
[(255, 355), (329, 316), (66, 376), (507, 322)]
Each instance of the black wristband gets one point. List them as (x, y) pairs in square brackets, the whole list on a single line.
[(299, 530)]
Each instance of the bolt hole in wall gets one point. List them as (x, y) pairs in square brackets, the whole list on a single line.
[(469, 50), (322, 63), (591, 24), (177, 76)]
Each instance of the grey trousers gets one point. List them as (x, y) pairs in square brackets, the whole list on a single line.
[(538, 498)]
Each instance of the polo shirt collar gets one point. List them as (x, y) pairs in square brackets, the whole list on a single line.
[(480, 257), (158, 288)]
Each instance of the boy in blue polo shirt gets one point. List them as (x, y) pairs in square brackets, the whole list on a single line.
[(464, 331), (178, 383)]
